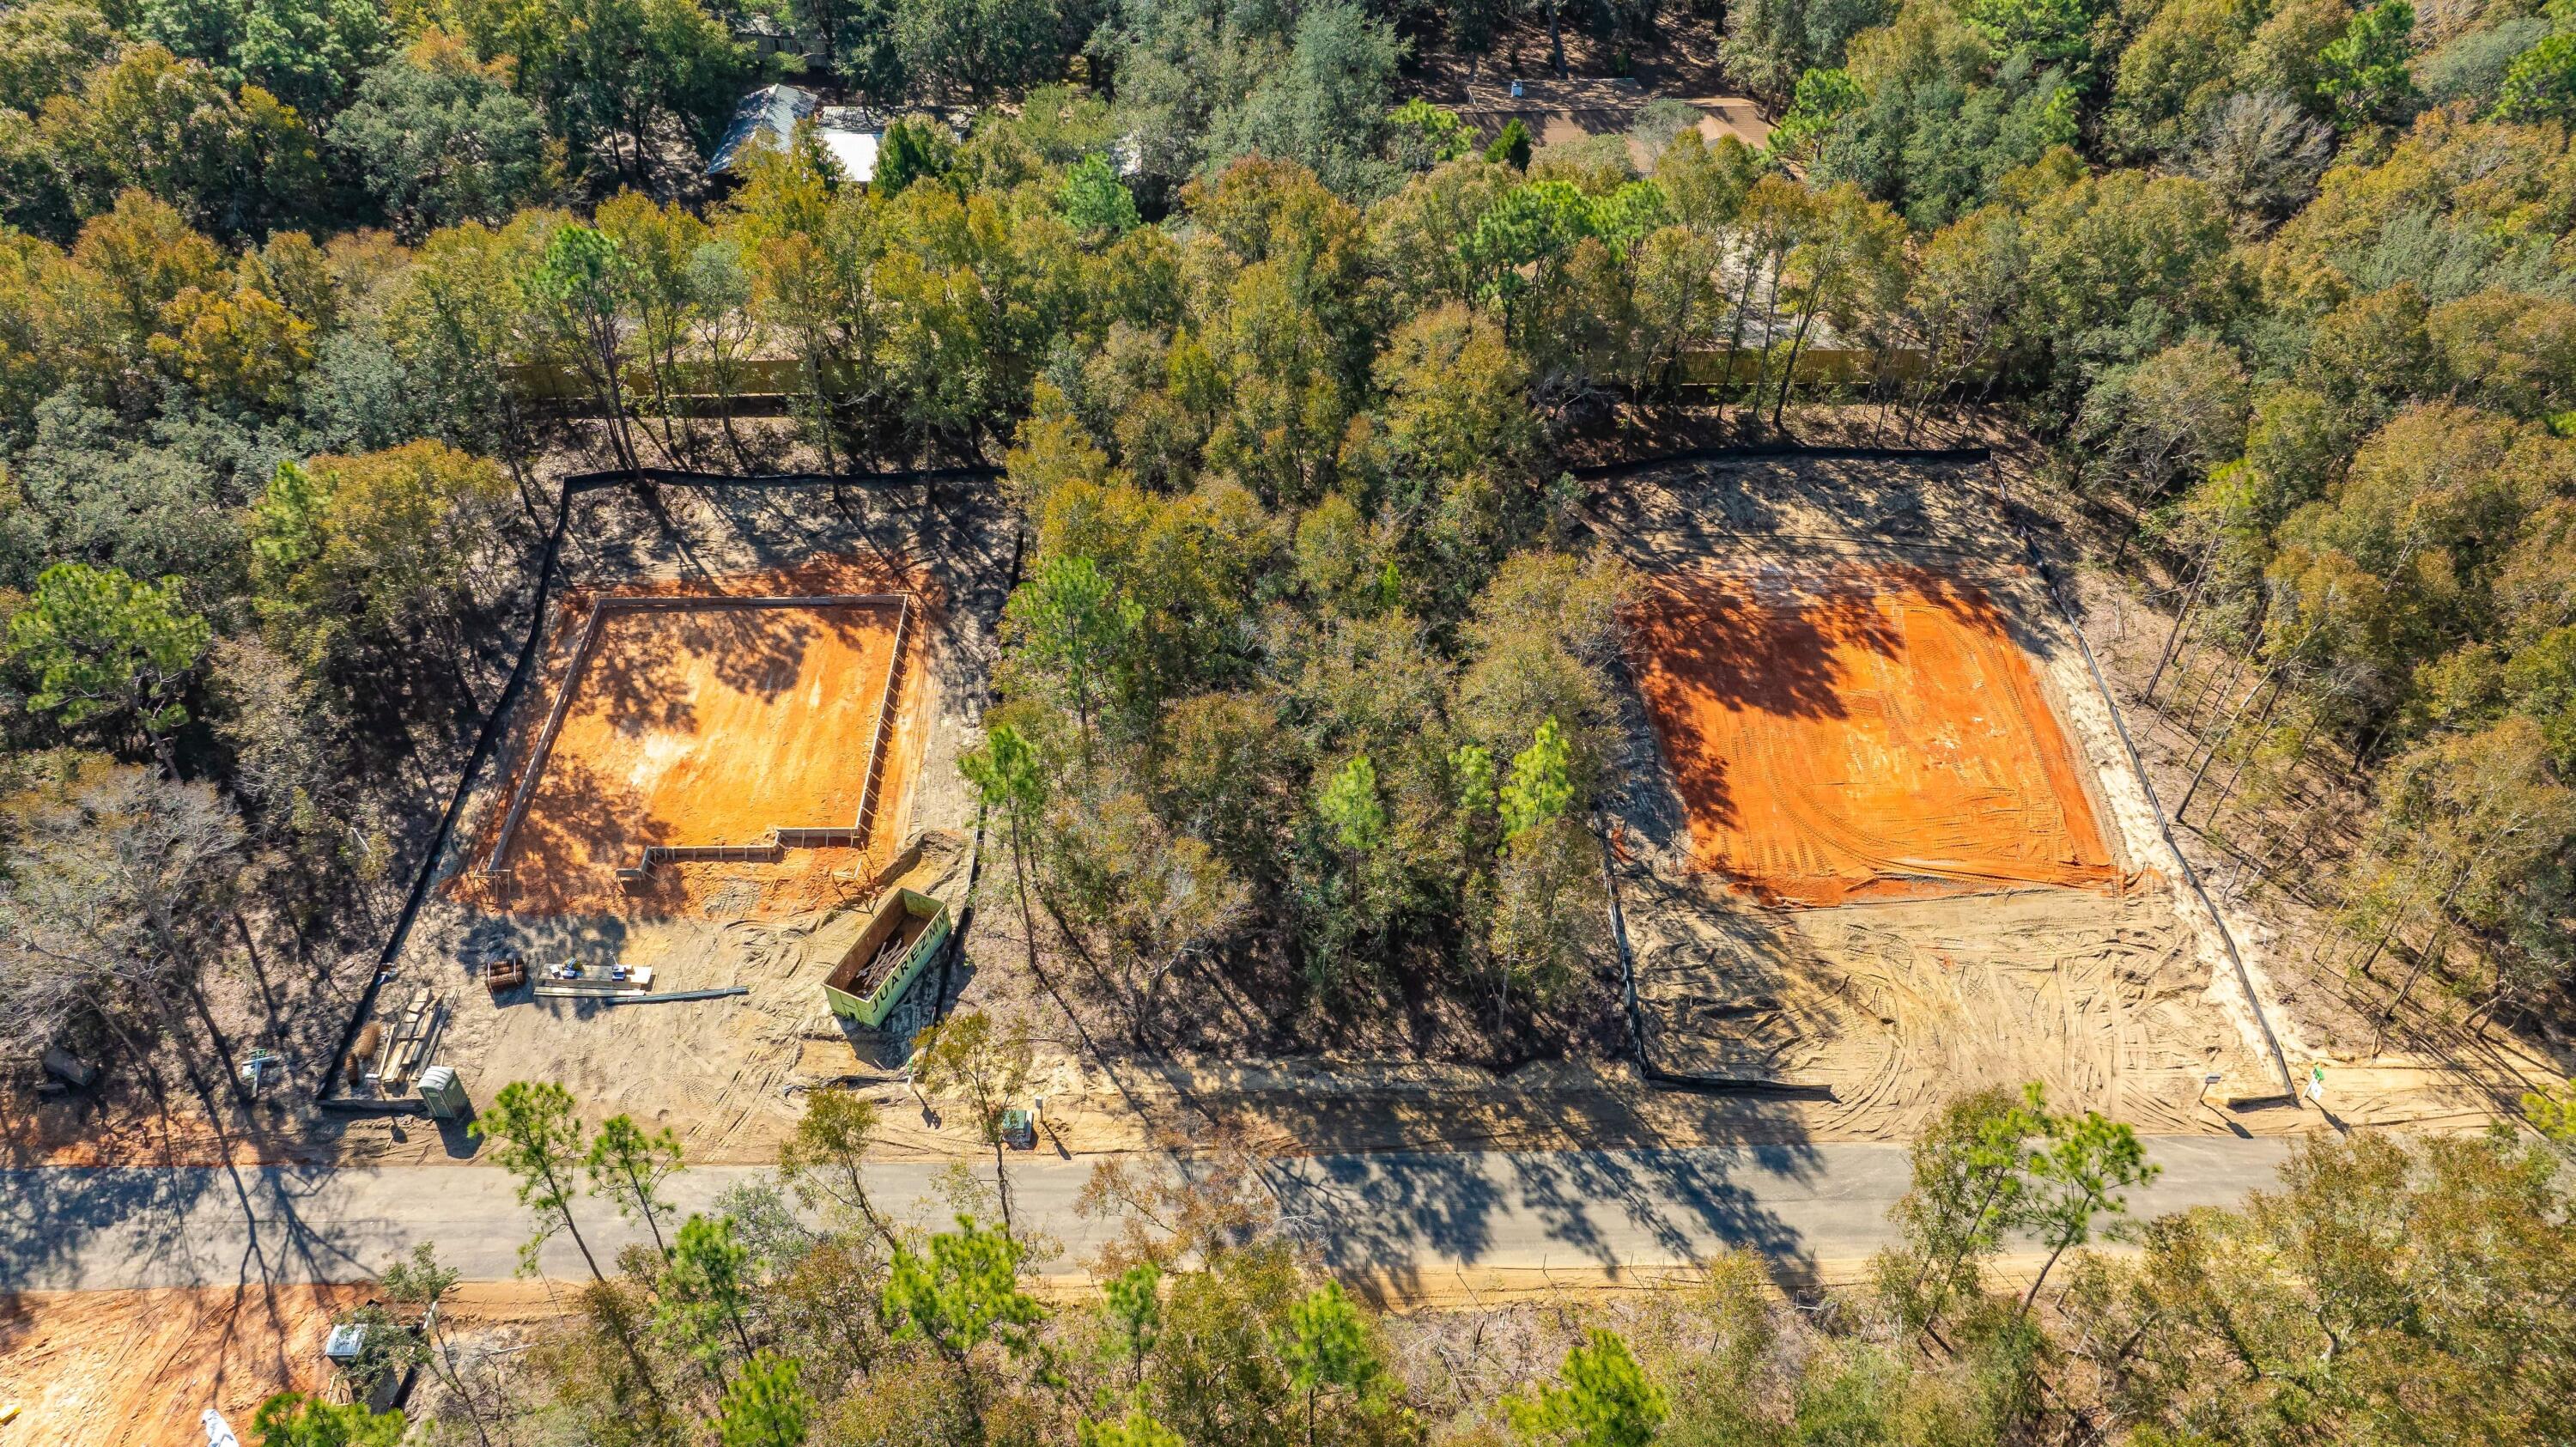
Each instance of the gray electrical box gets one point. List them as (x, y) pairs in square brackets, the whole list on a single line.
[(444, 1093)]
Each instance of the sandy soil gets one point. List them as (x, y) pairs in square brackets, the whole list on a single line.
[(719, 1071), (2116, 997), (111, 1368), (1859, 732), (2271, 870)]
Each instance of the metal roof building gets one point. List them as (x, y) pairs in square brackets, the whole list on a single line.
[(766, 120)]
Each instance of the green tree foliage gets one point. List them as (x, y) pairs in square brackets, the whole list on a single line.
[(911, 150), (309, 53), (360, 560), (1512, 147), (629, 1165), (1421, 135), (203, 30), (1095, 201), (1202, 84), (1994, 1167), (2045, 30), (960, 1293), (2075, 1177), (1009, 775), (1541, 787), (2183, 62), (1073, 622), (1328, 1346), (1822, 99), (1323, 106), (960, 48), (767, 1405), (420, 1281), (536, 1136), (822, 1160), (1968, 1193), (1132, 1301), (305, 52), (703, 1294), (1602, 1399), (46, 46), (1133, 1430), (234, 160), (2552, 1112), (443, 139), (1773, 44), (584, 287), (2365, 73), (292, 1419), (1932, 114), (99, 645), (2381, 1281), (611, 75), (1350, 805), (2540, 84), (983, 1064)]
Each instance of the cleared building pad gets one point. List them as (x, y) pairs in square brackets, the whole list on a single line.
[(1859, 731), (704, 724)]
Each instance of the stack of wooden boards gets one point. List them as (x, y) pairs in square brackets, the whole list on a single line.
[(409, 1046)]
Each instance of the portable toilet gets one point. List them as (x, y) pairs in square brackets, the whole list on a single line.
[(1020, 1129), (347, 1343), (444, 1093)]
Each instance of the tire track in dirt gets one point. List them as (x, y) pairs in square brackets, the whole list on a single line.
[(1826, 607)]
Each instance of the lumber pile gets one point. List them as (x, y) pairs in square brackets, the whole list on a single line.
[(404, 1051)]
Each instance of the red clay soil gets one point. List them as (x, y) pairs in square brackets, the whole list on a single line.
[(704, 726), (1872, 733), (709, 726), (113, 1368)]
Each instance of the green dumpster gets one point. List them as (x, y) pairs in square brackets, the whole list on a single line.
[(902, 938)]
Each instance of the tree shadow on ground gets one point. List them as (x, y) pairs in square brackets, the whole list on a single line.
[(580, 818), (53, 1218), (1394, 1214)]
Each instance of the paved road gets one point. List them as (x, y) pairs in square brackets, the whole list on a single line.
[(68, 1228)]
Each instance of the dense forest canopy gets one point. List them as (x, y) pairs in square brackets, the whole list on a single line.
[(1309, 674), (306, 306)]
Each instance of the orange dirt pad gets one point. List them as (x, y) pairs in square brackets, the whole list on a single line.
[(709, 725), (113, 1368), (1869, 733)]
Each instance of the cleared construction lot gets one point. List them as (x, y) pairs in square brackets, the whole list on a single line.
[(740, 739), (733, 719), (1853, 732), (1879, 841)]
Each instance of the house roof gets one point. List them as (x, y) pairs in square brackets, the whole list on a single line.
[(767, 120), (763, 120), (851, 136)]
